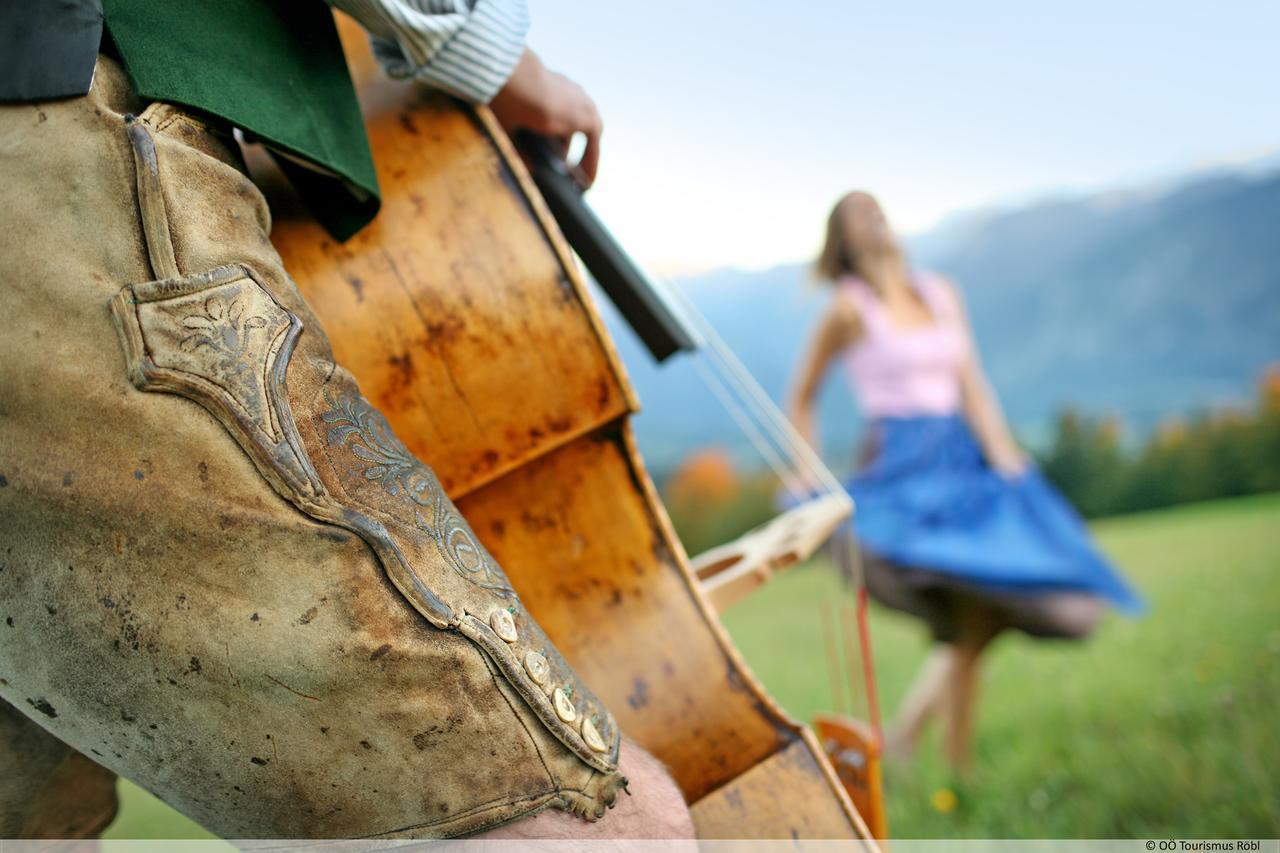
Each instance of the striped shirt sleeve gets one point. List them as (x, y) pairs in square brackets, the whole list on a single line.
[(466, 47)]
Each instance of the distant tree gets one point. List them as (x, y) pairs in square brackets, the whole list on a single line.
[(1152, 479), (1085, 462), (1215, 455), (1264, 440), (710, 503)]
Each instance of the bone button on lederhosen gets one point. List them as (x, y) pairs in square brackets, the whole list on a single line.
[(504, 625)]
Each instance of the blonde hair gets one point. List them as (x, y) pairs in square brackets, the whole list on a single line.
[(833, 261), (839, 256)]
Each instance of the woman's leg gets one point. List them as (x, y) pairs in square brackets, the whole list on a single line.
[(978, 626), (922, 702), (889, 585)]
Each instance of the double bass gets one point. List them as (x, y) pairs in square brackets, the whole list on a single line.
[(466, 321)]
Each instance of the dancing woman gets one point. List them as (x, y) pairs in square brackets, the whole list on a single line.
[(956, 527)]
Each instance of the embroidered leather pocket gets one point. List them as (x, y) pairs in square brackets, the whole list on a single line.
[(221, 339)]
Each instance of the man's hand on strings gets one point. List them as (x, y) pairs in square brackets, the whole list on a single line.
[(540, 100)]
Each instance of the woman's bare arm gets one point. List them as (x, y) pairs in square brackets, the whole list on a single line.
[(982, 409), (837, 329)]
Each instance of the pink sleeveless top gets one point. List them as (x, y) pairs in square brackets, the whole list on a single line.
[(906, 372)]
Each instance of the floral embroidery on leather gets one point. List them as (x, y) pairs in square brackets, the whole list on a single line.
[(362, 429), (366, 433), (222, 327), (219, 338)]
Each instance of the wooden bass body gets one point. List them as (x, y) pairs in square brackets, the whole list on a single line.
[(466, 321)]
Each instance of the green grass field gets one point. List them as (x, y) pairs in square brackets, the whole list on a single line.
[(1165, 726)]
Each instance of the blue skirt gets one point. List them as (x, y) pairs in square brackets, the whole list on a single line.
[(929, 500)]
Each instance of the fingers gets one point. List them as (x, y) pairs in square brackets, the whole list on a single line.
[(590, 162), (585, 120), (551, 104), (571, 111)]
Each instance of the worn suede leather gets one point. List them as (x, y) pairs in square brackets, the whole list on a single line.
[(47, 789), (221, 575)]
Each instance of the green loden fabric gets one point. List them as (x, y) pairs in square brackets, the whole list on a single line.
[(275, 69)]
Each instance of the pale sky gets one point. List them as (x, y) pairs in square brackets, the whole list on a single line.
[(733, 125)]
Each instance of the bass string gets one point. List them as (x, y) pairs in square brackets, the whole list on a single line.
[(785, 469), (799, 467), (731, 373)]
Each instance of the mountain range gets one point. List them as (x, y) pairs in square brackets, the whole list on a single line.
[(1137, 304)]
